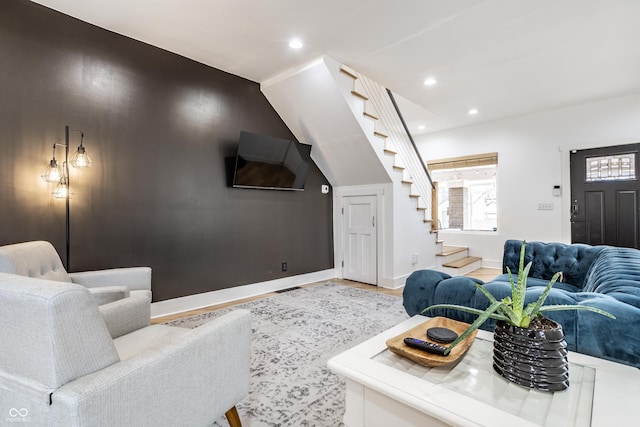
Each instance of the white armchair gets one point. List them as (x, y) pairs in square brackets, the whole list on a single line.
[(123, 294), (59, 365)]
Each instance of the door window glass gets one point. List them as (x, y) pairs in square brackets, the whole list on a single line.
[(611, 168)]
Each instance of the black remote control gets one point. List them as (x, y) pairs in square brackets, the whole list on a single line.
[(429, 347)]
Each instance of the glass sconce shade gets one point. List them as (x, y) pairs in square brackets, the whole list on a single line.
[(80, 158), (53, 172)]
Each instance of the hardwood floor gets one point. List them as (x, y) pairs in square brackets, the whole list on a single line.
[(484, 274)]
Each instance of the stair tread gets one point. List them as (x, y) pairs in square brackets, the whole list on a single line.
[(359, 95), (450, 250), (380, 134), (359, 91), (462, 262), (348, 72)]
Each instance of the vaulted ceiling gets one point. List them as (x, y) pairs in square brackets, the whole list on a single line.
[(502, 57)]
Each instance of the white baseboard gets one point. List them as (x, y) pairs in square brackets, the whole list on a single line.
[(394, 283), (486, 263), (194, 302)]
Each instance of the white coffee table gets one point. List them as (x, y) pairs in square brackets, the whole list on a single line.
[(384, 389)]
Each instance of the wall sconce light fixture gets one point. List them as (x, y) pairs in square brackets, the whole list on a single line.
[(55, 173)]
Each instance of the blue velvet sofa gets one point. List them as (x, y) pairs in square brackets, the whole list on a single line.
[(599, 276)]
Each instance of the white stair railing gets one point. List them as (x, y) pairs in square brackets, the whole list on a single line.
[(399, 141)]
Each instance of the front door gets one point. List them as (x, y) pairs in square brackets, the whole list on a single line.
[(604, 196), (359, 231)]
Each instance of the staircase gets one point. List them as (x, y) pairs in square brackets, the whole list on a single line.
[(393, 140), (361, 146), (377, 107), (455, 260)]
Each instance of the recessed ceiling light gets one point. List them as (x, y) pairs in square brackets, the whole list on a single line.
[(430, 81), (295, 44), (473, 111), (422, 127)]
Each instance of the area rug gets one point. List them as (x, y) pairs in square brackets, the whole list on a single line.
[(294, 334)]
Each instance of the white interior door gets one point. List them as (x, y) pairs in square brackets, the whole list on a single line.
[(359, 231)]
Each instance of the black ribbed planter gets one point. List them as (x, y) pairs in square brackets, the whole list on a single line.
[(534, 357)]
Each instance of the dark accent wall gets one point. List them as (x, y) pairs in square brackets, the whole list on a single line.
[(158, 127)]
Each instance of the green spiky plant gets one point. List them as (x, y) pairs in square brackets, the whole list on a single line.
[(512, 309)]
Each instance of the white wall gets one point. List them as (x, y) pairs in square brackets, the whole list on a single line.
[(412, 236), (533, 156), (310, 99)]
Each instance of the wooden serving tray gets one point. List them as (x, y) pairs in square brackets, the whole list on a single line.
[(398, 346)]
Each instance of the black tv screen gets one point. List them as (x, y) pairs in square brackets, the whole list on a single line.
[(270, 163)]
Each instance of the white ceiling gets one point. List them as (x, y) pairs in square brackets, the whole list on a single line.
[(503, 57)]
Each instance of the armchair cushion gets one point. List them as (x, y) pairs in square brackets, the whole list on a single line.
[(128, 314), (107, 294)]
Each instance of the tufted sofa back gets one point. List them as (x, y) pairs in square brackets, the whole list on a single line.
[(37, 259), (548, 258), (616, 272)]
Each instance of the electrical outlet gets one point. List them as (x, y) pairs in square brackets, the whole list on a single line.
[(414, 259), (284, 266)]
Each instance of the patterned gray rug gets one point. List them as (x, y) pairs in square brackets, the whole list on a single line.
[(294, 334)]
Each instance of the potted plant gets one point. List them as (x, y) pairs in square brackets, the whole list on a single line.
[(529, 349)]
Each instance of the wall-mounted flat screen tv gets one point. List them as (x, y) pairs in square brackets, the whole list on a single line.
[(270, 163)]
